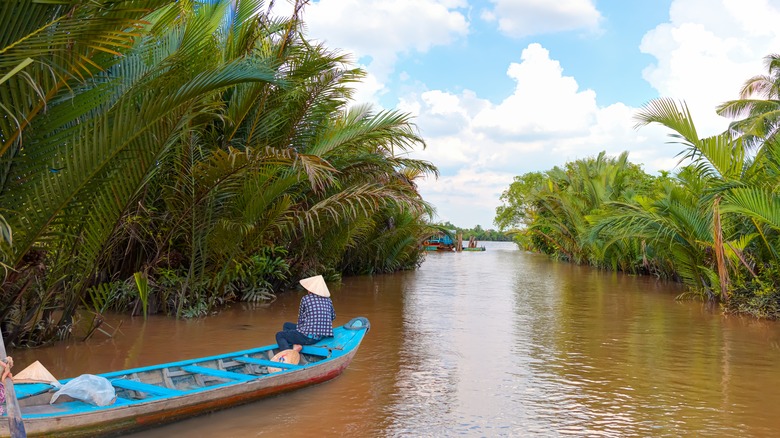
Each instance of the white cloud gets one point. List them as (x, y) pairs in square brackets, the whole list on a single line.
[(708, 50), (382, 30), (369, 89), (547, 121), (518, 18), (545, 103), (467, 198)]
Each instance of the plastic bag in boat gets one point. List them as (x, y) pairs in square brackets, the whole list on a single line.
[(88, 388)]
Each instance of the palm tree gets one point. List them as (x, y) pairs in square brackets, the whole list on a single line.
[(49, 54), (559, 208), (288, 166), (726, 179), (758, 106), (208, 141), (84, 159), (675, 229)]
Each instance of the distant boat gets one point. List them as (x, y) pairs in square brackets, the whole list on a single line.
[(439, 242), (472, 245), (158, 394), (444, 242), (435, 244)]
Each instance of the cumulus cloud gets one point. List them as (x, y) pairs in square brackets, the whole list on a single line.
[(467, 197), (545, 103), (480, 146), (546, 119), (519, 18), (707, 50), (385, 29)]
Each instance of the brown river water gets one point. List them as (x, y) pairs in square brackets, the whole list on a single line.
[(494, 343)]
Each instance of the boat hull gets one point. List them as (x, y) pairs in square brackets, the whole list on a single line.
[(91, 421), (155, 413)]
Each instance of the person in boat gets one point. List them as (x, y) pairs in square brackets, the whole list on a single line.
[(6, 365), (315, 317)]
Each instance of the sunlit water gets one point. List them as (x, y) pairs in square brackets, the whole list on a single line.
[(494, 343)]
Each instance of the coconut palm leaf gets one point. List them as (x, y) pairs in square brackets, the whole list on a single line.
[(48, 47), (755, 203), (720, 157), (95, 151), (676, 117), (758, 106)]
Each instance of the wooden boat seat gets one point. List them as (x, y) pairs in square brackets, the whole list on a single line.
[(268, 363), (134, 385), (218, 373), (316, 351), (30, 389)]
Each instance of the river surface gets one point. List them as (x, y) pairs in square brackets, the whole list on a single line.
[(494, 343)]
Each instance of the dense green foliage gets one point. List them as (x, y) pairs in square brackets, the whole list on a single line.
[(478, 233), (714, 224), (175, 156)]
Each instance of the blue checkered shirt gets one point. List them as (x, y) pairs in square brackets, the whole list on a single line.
[(315, 316)]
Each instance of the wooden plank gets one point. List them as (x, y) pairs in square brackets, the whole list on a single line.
[(267, 363), (144, 387), (167, 378), (316, 351), (217, 373), (24, 390)]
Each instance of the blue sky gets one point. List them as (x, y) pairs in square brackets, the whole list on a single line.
[(499, 88), (479, 62)]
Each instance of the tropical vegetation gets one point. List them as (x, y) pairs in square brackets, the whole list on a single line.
[(713, 224), (477, 232), (172, 157)]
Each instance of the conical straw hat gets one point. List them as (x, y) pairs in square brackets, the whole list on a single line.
[(35, 373), (286, 356), (316, 285)]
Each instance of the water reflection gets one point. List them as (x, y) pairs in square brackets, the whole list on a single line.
[(494, 343)]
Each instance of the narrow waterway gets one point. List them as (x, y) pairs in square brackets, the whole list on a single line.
[(494, 343)]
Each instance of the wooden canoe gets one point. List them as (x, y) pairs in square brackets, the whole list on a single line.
[(154, 395)]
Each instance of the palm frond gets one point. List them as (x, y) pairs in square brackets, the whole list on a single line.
[(668, 113), (755, 203)]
